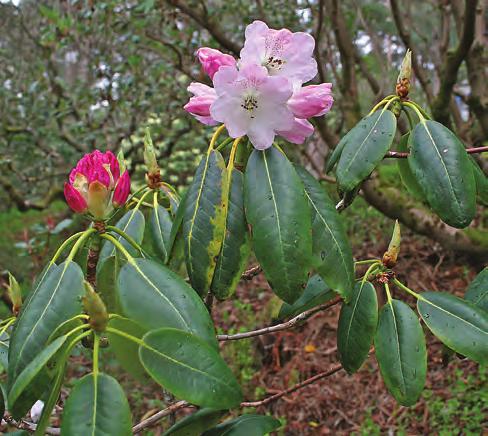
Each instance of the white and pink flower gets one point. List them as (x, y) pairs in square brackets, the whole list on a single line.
[(262, 96)]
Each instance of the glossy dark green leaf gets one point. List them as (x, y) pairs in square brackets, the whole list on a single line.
[(245, 425), (279, 213), (366, 145), (107, 274), (408, 179), (4, 353), (336, 153), (189, 368), (401, 353), (442, 168), (96, 406), (330, 246), (481, 182), (235, 247), (132, 223), (477, 291), (126, 351), (317, 292), (357, 326), (153, 296), (204, 220), (196, 423), (459, 324), (55, 300), (33, 369), (176, 226), (160, 227)]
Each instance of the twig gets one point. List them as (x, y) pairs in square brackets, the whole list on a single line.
[(29, 426), (403, 155), (159, 415), (251, 272), (278, 327)]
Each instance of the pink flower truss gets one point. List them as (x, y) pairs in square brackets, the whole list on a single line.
[(95, 184)]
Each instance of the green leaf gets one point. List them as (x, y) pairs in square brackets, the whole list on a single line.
[(153, 296), (406, 175), (279, 213), (107, 273), (196, 423), (442, 168), (459, 324), (357, 326), (176, 226), (33, 369), (245, 425), (401, 353), (204, 220), (235, 247), (3, 353), (336, 153), (96, 406), (189, 368), (132, 223), (2, 401), (481, 182), (317, 292), (160, 227), (366, 146), (477, 291), (330, 246), (55, 300), (126, 351)]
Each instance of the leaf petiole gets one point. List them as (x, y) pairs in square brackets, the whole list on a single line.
[(407, 289), (119, 246), (388, 99), (79, 243), (128, 238)]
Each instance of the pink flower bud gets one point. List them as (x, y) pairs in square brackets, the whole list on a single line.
[(122, 190), (74, 199), (300, 130), (212, 60), (311, 101), (199, 104), (92, 183)]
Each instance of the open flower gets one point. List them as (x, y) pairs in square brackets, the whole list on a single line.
[(199, 104), (282, 52), (95, 185), (253, 103), (212, 59)]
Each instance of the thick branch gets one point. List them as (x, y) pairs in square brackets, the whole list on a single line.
[(283, 326), (452, 63)]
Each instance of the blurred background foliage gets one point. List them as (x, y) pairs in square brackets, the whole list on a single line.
[(81, 74)]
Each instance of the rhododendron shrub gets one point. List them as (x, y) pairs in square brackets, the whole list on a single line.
[(117, 284)]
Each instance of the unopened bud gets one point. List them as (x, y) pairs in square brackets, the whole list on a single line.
[(391, 255), (95, 308), (14, 293), (405, 76), (150, 155)]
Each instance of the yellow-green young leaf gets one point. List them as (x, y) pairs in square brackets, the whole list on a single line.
[(317, 292), (357, 326), (366, 145), (154, 296), (278, 211), (458, 323), (245, 425), (400, 351), (56, 299), (189, 368), (96, 406), (235, 246), (477, 291), (391, 255), (332, 254), (204, 220), (196, 423), (14, 293), (442, 168), (132, 223)]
